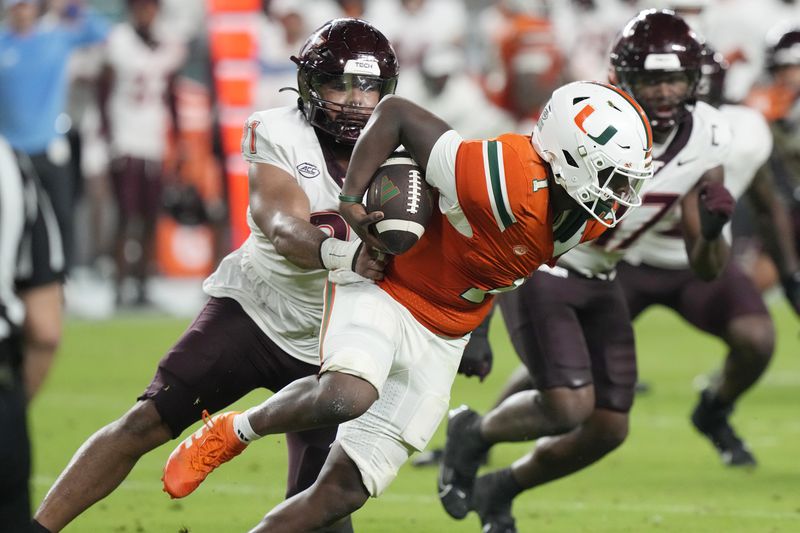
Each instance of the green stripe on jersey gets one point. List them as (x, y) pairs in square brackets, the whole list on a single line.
[(496, 184)]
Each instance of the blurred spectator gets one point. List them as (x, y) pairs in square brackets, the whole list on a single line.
[(95, 212), (737, 29), (694, 12), (443, 86), (15, 461), (584, 32), (33, 91), (137, 105), (318, 12), (183, 19), (351, 8), (416, 26), (282, 31), (492, 23), (779, 100), (530, 64)]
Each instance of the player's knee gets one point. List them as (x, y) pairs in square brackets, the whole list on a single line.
[(352, 499), (610, 431), (753, 337), (566, 409), (141, 428), (42, 336), (343, 397), (336, 500), (43, 320)]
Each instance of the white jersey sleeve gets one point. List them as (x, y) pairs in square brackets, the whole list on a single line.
[(750, 147), (137, 107), (718, 134), (441, 174), (284, 300), (441, 170), (259, 144)]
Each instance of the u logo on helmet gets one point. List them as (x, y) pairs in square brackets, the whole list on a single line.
[(601, 139)]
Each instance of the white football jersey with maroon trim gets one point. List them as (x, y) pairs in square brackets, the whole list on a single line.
[(751, 145), (699, 144), (282, 298), (137, 109)]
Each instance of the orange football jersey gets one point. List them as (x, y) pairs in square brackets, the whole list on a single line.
[(447, 280), (774, 101)]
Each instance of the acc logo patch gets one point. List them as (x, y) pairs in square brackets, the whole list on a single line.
[(307, 170)]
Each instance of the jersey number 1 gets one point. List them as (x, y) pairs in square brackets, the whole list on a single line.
[(250, 135)]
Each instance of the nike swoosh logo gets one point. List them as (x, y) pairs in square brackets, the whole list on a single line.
[(445, 490), (685, 161)]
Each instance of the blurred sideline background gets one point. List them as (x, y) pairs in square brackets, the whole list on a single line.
[(485, 67)]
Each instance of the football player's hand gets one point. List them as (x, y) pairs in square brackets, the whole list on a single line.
[(370, 263), (716, 208), (791, 287), (477, 358), (357, 217)]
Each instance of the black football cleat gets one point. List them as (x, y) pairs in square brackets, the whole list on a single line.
[(712, 421), (461, 459), (493, 509)]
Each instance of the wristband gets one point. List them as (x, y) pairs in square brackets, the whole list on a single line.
[(335, 254), (350, 198)]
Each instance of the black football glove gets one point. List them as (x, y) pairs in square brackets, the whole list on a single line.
[(791, 286), (477, 358), (716, 208)]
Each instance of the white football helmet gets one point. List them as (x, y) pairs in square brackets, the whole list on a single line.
[(598, 143)]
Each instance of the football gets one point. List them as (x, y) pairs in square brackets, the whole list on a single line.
[(399, 189)]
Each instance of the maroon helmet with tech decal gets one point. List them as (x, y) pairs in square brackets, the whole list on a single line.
[(351, 56), (656, 46)]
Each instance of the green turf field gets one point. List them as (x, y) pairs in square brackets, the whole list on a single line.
[(665, 478)]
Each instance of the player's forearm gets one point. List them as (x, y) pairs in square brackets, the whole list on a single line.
[(774, 223), (708, 258), (379, 138), (305, 245), (778, 236), (299, 242)]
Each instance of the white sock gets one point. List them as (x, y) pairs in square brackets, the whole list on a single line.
[(243, 429)]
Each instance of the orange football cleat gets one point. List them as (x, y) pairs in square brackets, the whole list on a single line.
[(201, 452)]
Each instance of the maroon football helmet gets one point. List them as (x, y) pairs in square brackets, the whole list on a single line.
[(783, 48), (658, 46), (713, 70), (348, 54)]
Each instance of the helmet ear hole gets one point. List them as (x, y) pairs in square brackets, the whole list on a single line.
[(569, 159)]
